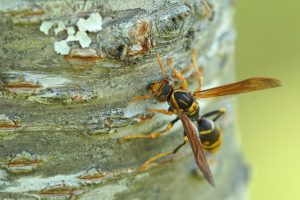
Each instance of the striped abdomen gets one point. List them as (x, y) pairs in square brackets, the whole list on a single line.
[(210, 135)]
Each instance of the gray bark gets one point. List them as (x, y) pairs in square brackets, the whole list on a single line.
[(60, 116)]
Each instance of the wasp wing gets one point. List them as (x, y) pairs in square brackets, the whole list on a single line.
[(247, 85), (192, 135)]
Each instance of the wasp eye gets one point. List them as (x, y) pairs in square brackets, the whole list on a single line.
[(149, 87), (153, 87)]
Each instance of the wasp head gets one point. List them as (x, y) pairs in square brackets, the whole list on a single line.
[(161, 90)]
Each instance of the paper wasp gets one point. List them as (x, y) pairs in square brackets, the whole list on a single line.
[(183, 103)]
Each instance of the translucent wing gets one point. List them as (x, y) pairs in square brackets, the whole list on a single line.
[(248, 85), (192, 135)]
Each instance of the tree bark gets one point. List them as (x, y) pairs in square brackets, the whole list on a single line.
[(61, 115)]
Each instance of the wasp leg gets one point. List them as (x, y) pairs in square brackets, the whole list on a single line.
[(186, 69), (137, 98), (195, 74), (163, 72), (162, 111), (218, 114), (143, 117), (151, 135), (177, 75), (181, 145), (197, 70), (146, 164)]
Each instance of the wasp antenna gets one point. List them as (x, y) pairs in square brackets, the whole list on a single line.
[(161, 66), (194, 59), (197, 71), (170, 64)]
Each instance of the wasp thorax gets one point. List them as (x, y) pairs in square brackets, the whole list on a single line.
[(161, 90)]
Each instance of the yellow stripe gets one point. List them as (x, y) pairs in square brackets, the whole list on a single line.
[(183, 102), (193, 108), (214, 146), (208, 131), (185, 97), (212, 150), (191, 113), (172, 100)]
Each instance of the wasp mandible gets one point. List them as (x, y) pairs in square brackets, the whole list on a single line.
[(183, 103)]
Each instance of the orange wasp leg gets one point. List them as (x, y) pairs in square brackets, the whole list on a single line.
[(137, 98), (186, 69), (177, 75), (151, 135), (151, 160), (197, 70), (163, 72), (162, 111)]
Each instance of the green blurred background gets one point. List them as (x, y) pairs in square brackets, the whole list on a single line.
[(268, 44)]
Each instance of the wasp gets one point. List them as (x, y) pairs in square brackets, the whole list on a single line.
[(207, 136)]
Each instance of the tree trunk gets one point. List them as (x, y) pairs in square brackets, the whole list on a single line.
[(64, 98)]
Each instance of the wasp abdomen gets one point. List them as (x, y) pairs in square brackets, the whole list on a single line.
[(210, 134)]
